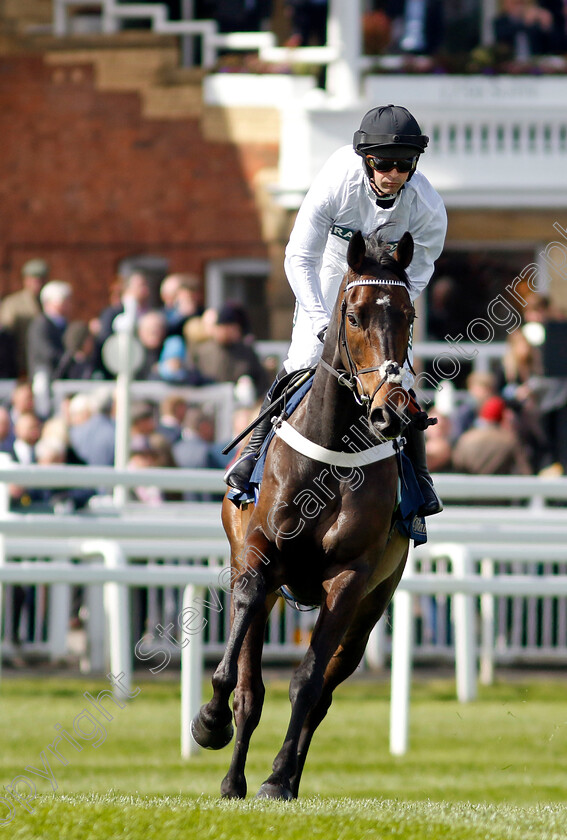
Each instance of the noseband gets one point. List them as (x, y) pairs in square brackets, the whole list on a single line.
[(390, 371)]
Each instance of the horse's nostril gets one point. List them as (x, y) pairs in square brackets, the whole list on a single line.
[(385, 421), (379, 419)]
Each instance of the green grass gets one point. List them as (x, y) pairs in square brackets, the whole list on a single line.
[(493, 769)]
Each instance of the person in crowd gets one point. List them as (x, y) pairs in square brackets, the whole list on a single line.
[(198, 329), (135, 288), (78, 360), (162, 449), (361, 187), (8, 365), (192, 450), (18, 309), (188, 302), (56, 428), (418, 25), (241, 15), (46, 331), (227, 356), (174, 366), (308, 22), (21, 399), (481, 385), (27, 431), (135, 293), (168, 294), (91, 428), (172, 411), (182, 298), (6, 431), (49, 451), (492, 446), (142, 424), (525, 29), (540, 394), (143, 457), (438, 448), (152, 450), (151, 332)]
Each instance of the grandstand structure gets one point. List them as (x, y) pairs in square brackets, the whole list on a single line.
[(145, 143)]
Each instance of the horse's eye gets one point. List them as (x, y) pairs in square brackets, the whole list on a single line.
[(352, 319)]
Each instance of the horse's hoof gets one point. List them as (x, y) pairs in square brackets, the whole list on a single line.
[(211, 739), (233, 789), (269, 790)]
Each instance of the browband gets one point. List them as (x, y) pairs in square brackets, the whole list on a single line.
[(376, 282)]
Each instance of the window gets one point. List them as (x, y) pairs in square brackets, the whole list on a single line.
[(242, 280)]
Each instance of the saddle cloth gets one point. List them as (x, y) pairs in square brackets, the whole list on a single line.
[(410, 497)]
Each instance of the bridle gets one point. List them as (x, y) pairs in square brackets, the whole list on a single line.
[(391, 372)]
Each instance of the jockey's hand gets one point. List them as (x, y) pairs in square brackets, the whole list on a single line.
[(421, 421)]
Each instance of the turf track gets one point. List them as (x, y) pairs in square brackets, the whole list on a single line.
[(493, 769)]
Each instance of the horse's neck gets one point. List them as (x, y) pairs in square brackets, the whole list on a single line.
[(330, 412)]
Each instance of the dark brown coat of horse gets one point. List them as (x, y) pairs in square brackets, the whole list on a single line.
[(323, 531)]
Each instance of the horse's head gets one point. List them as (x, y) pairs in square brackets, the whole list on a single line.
[(376, 315)]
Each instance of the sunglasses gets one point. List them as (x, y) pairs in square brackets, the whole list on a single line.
[(386, 165)]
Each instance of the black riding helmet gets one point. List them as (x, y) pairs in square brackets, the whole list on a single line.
[(389, 131)]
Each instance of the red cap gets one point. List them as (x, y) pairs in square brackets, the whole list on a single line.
[(493, 409)]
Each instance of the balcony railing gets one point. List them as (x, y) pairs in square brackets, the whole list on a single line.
[(495, 141)]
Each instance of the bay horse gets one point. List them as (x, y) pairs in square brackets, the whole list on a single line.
[(322, 525)]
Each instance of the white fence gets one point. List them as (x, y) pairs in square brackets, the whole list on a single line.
[(525, 630), (507, 556), (465, 543)]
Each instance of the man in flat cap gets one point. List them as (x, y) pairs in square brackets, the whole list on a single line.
[(20, 308)]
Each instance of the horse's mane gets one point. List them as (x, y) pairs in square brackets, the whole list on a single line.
[(378, 251)]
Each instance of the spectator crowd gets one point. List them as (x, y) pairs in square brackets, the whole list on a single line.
[(519, 29), (508, 421), (512, 420), (178, 343)]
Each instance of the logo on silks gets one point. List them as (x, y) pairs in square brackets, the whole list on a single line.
[(342, 232), (347, 234), (418, 530)]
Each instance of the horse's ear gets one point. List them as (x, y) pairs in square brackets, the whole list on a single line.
[(356, 251), (404, 251)]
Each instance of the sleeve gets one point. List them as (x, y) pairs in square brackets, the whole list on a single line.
[(304, 252), (428, 234)]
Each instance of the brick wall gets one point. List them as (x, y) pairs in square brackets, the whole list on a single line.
[(88, 178)]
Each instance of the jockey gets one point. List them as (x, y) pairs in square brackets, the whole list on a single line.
[(361, 187)]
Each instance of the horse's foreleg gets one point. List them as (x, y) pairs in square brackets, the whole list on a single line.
[(344, 594), (248, 701), (344, 662), (212, 727)]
